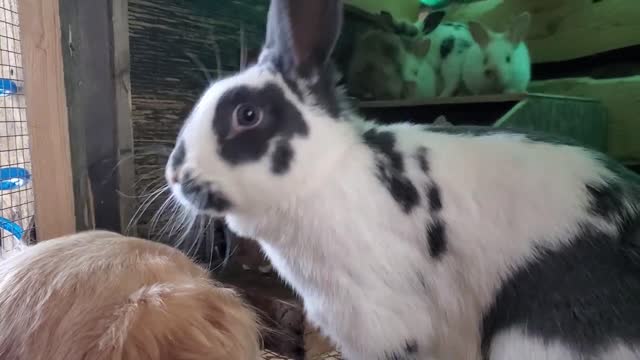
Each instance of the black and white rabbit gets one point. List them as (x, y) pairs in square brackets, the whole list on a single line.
[(393, 64), (407, 241), (498, 62), (387, 66), (450, 42)]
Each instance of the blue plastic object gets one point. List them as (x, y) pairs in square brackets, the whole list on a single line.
[(13, 228), (8, 87), (12, 178)]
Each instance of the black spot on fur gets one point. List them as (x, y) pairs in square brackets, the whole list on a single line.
[(401, 188), (583, 294), (280, 119), (433, 194), (384, 143), (411, 347), (408, 352), (217, 201), (281, 158), (436, 237), (421, 158), (606, 200), (178, 156), (201, 195), (446, 47), (390, 169)]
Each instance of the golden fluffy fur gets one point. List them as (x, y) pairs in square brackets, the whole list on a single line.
[(102, 296)]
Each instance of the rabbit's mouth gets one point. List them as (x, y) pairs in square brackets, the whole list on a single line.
[(201, 196)]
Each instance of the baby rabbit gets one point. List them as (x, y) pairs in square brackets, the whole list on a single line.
[(101, 296), (409, 241), (449, 43), (387, 66), (498, 62)]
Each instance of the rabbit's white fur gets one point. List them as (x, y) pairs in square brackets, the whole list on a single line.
[(449, 64), (363, 261), (418, 70), (505, 56)]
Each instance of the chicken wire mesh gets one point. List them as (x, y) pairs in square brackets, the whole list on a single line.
[(16, 192)]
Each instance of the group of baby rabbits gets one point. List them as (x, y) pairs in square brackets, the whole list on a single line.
[(440, 58)]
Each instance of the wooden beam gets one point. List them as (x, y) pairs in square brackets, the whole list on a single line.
[(122, 79), (78, 72), (47, 117), (95, 57)]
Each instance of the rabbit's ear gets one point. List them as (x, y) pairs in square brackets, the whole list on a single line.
[(479, 33), (432, 21), (303, 34), (519, 28)]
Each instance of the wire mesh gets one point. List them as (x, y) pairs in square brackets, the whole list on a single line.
[(16, 192)]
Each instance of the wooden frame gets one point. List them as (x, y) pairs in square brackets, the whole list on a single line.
[(78, 108), (47, 117)]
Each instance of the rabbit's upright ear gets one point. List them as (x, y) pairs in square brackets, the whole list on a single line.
[(301, 35)]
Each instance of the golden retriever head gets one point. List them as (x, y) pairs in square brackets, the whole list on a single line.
[(99, 295)]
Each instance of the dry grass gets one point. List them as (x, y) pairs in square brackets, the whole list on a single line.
[(17, 205)]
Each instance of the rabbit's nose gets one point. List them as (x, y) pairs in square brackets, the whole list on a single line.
[(490, 73)]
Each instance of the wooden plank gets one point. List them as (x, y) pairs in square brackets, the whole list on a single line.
[(564, 30), (47, 117), (621, 96), (122, 82), (97, 107)]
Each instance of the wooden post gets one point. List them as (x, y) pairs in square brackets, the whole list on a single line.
[(47, 117), (76, 68)]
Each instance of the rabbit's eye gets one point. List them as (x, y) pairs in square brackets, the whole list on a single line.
[(248, 115), (508, 58)]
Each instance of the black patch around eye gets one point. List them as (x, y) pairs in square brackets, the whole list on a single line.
[(178, 156), (436, 237), (446, 47), (390, 169), (281, 119), (281, 158)]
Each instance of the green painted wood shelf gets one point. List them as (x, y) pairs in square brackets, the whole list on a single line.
[(582, 119)]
